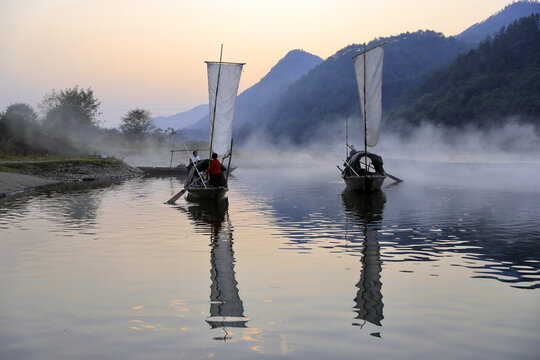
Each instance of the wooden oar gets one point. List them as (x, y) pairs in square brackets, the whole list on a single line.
[(181, 192), (396, 179), (175, 197)]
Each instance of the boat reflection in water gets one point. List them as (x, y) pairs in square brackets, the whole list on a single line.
[(366, 209), (226, 307)]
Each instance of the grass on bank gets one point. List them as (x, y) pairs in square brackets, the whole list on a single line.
[(58, 166), (47, 157)]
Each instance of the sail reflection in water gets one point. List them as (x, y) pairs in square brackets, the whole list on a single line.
[(226, 307), (366, 210)]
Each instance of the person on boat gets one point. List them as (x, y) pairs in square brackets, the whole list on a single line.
[(351, 153), (195, 157), (215, 171), (193, 160)]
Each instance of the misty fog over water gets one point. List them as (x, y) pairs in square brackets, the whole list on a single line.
[(291, 266)]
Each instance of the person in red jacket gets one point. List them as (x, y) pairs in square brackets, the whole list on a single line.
[(215, 171)]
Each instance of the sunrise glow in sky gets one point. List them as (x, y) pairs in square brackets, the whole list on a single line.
[(151, 53)]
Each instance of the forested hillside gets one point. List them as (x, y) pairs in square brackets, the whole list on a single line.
[(493, 24), (288, 70), (500, 78), (329, 90)]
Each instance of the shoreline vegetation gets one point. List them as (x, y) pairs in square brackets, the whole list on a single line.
[(19, 175)]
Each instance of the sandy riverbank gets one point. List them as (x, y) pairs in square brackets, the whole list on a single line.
[(28, 175)]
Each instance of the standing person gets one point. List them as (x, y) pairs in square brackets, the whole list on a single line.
[(196, 157), (193, 160), (215, 171), (353, 150)]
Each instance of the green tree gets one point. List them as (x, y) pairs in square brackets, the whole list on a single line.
[(171, 134), (158, 135), (70, 109), (22, 111), (19, 130), (137, 124)]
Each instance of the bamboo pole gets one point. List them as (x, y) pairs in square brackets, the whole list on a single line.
[(196, 169), (215, 103), (362, 53), (229, 165), (365, 120), (348, 165), (346, 134), (188, 182)]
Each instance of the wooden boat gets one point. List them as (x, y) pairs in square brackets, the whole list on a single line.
[(179, 171), (223, 81), (197, 186), (163, 171), (355, 175), (211, 193), (364, 183), (363, 171)]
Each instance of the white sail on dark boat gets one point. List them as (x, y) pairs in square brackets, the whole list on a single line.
[(223, 82), (363, 171), (368, 67)]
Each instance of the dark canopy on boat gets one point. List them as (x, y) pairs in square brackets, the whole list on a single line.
[(202, 166), (356, 159)]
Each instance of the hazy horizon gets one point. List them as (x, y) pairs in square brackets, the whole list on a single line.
[(133, 54)]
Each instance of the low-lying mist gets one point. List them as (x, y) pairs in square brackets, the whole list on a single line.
[(507, 157)]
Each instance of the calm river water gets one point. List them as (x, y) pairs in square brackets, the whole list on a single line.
[(445, 265)]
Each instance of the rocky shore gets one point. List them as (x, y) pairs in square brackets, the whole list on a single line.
[(28, 175)]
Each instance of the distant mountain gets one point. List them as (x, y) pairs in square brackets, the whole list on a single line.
[(493, 24), (500, 78), (290, 68), (329, 90), (181, 120), (303, 94)]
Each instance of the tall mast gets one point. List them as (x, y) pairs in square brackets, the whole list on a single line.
[(215, 102), (365, 120), (346, 134)]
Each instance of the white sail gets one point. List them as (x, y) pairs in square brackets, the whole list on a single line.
[(372, 73), (229, 79)]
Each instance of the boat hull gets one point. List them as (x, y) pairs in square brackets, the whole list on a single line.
[(206, 194), (158, 171), (164, 171), (364, 183)]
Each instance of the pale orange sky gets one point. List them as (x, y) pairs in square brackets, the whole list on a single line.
[(151, 53)]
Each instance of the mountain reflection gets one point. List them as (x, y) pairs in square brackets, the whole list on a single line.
[(226, 307), (366, 209)]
